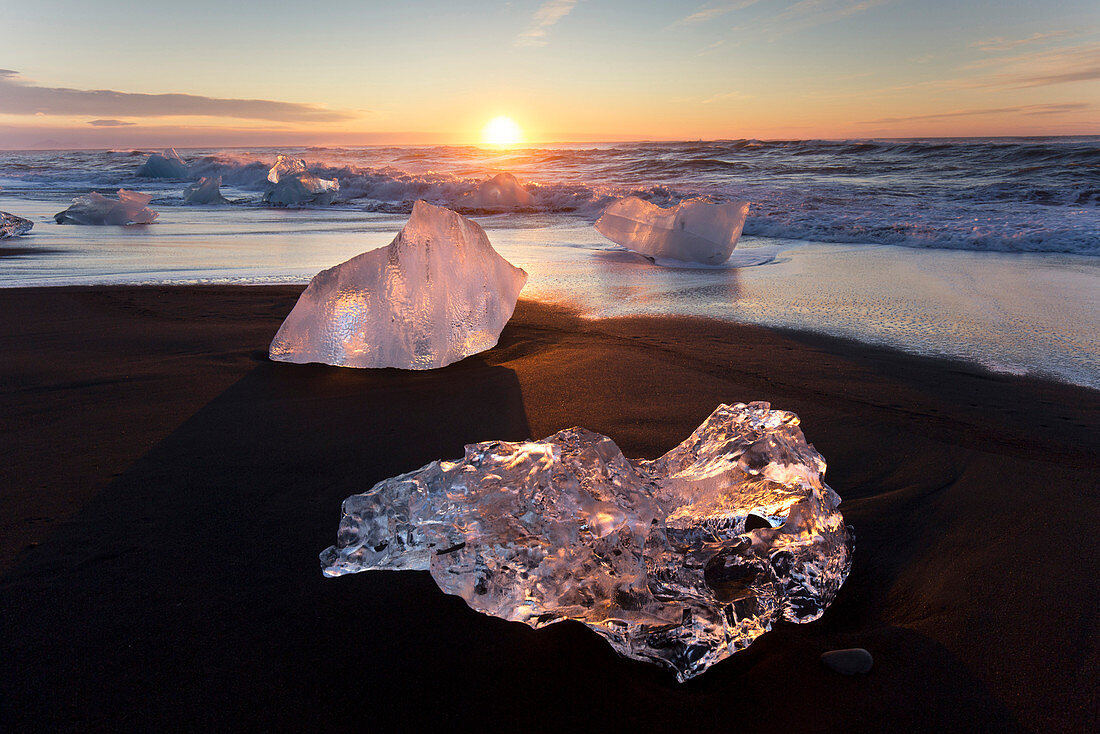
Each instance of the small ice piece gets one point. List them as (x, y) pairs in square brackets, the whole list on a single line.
[(693, 230), (436, 294), (294, 185), (13, 226), (94, 208), (169, 165), (502, 191), (205, 191), (680, 561)]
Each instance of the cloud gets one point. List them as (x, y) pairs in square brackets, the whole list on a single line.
[(545, 17), (726, 97), (20, 97), (1005, 44), (1031, 109), (1080, 63), (708, 12), (1042, 68), (110, 123), (809, 13)]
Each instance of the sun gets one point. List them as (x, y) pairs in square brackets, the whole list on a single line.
[(502, 131)]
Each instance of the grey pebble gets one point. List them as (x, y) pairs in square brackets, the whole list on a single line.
[(849, 662)]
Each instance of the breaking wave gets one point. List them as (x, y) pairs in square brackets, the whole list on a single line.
[(1009, 195)]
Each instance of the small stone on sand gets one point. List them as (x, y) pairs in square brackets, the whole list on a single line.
[(849, 662)]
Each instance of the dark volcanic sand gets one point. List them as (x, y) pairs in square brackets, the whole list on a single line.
[(166, 490)]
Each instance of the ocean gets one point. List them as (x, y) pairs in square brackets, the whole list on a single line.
[(984, 250)]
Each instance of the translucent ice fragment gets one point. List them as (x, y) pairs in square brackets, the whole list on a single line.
[(680, 561), (168, 165), (294, 185), (692, 230), (205, 191), (436, 294), (13, 226), (502, 191), (94, 208)]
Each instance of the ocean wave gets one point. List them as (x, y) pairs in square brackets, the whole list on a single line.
[(1027, 195)]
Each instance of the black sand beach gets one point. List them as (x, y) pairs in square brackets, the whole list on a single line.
[(166, 490)]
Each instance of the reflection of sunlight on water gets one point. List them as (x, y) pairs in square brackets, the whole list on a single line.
[(631, 283)]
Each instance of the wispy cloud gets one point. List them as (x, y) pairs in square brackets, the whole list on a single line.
[(1031, 109), (810, 13), (21, 97), (1006, 44), (548, 14), (110, 123), (1039, 69), (1063, 65), (712, 11), (726, 97), (720, 43)]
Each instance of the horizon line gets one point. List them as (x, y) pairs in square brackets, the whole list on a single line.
[(535, 143)]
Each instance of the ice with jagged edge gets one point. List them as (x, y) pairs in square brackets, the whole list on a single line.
[(207, 190), (166, 165), (681, 561), (130, 207), (436, 294), (692, 231), (294, 185), (13, 226), (502, 191)]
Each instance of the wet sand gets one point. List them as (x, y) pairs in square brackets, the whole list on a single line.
[(166, 490)]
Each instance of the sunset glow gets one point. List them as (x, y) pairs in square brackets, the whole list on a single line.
[(502, 131), (434, 72)]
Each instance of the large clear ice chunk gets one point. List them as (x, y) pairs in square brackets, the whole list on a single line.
[(130, 207), (13, 226), (436, 294), (681, 561), (168, 165), (294, 185), (693, 231)]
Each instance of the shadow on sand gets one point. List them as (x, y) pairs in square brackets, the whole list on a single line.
[(189, 595)]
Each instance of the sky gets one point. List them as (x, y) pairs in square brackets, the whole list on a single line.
[(202, 73)]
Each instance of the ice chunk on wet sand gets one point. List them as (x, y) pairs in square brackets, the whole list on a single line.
[(294, 185), (680, 561), (436, 294), (502, 191), (13, 226), (95, 208), (205, 191), (693, 231), (168, 165)]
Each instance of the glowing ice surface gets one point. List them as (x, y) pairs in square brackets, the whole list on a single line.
[(681, 561), (502, 191), (436, 294), (692, 230), (205, 191), (294, 185), (95, 208), (13, 226), (168, 165)]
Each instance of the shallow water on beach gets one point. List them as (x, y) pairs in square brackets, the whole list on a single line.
[(1016, 313)]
